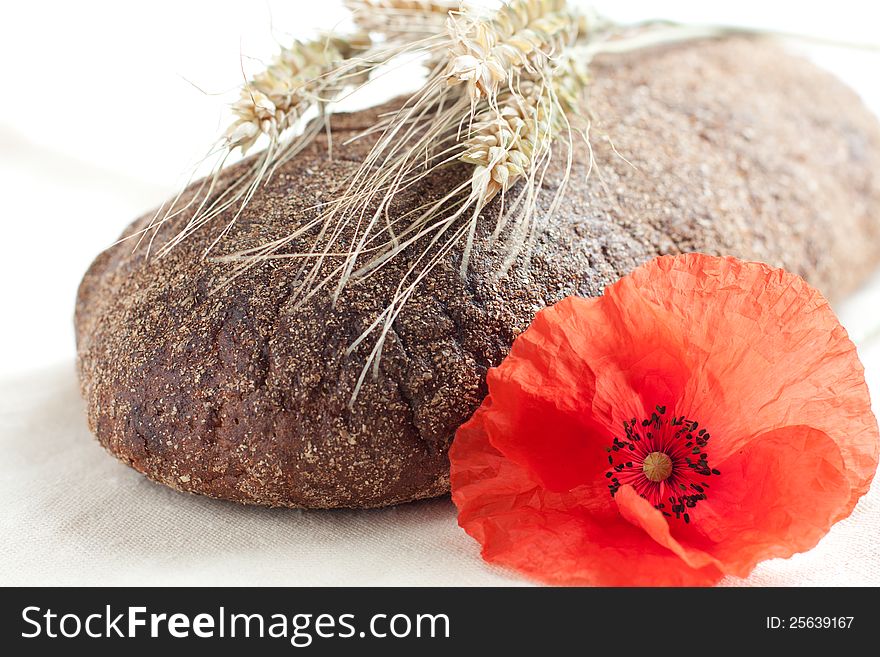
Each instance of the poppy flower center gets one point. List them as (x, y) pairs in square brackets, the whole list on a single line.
[(664, 460), (657, 466)]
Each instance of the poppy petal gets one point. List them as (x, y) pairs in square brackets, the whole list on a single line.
[(559, 446), (779, 495), (552, 413), (771, 353), (563, 538), (638, 511)]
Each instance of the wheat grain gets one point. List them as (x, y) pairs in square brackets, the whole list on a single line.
[(273, 100), (486, 54), (503, 140), (506, 140)]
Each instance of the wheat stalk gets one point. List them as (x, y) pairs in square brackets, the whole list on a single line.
[(506, 142)]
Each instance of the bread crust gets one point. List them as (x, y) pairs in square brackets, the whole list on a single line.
[(733, 148)]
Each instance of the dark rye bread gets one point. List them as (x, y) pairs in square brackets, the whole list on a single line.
[(736, 147)]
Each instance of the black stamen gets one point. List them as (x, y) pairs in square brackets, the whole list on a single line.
[(675, 440)]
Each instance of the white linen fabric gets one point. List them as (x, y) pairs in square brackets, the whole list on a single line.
[(72, 514)]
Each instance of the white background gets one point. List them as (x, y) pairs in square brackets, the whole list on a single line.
[(103, 106)]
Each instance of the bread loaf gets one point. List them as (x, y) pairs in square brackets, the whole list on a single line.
[(729, 147)]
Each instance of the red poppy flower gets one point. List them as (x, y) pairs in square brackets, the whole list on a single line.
[(701, 416)]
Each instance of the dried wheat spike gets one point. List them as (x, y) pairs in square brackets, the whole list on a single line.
[(397, 19), (275, 98), (503, 141), (506, 142), (519, 36)]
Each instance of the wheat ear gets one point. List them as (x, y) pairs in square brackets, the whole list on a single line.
[(273, 100), (426, 132), (486, 54), (401, 19), (511, 138), (303, 76)]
